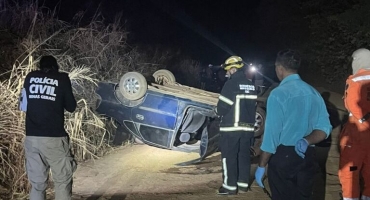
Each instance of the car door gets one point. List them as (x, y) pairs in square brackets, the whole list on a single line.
[(155, 119)]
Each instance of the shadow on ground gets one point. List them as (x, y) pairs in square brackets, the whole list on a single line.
[(322, 150), (113, 197)]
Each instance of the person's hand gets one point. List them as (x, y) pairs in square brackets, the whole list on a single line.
[(301, 147), (259, 176)]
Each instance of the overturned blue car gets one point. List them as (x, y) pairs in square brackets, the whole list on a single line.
[(165, 114)]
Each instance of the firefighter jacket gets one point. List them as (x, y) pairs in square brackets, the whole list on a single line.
[(237, 104), (48, 95), (357, 98)]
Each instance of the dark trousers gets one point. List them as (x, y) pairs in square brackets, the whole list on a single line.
[(291, 177), (236, 164)]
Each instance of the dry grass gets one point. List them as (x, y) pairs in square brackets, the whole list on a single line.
[(90, 53)]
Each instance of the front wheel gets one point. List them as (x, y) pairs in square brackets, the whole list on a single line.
[(164, 76), (260, 122), (133, 85)]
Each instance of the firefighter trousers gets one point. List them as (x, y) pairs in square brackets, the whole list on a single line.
[(354, 163), (291, 177), (236, 161)]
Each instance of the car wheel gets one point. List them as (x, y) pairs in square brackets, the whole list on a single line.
[(164, 76), (255, 149), (133, 85), (260, 122)]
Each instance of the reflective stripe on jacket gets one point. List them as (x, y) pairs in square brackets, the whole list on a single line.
[(237, 104)]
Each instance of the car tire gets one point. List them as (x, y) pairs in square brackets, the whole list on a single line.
[(255, 149), (133, 86), (163, 76), (260, 116)]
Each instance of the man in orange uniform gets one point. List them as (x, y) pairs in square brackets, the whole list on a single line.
[(355, 136)]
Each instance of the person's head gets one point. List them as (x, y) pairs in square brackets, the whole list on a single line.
[(360, 60), (232, 64), (287, 63), (48, 64)]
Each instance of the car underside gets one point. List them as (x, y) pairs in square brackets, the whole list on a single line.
[(166, 115)]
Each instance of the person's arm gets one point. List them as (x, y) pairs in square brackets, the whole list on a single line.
[(69, 99), (316, 137), (273, 129), (23, 96), (264, 159), (23, 101), (225, 100), (353, 99), (322, 128)]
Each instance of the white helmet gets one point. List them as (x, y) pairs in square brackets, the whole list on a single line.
[(361, 59)]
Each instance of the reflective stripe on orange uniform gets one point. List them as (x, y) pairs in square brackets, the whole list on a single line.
[(355, 137)]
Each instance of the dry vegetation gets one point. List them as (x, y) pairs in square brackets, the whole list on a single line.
[(89, 54)]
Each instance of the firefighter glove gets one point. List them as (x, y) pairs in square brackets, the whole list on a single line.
[(301, 147), (259, 176)]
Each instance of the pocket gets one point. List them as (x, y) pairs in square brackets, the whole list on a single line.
[(288, 161), (346, 156)]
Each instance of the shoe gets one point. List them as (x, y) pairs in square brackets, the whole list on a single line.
[(243, 189), (224, 191)]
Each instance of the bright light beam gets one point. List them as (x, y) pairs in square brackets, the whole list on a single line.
[(188, 22)]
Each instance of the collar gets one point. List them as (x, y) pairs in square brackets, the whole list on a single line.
[(238, 73), (290, 78), (362, 70)]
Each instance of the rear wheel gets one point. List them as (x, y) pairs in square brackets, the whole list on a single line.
[(260, 122), (164, 76), (133, 85)]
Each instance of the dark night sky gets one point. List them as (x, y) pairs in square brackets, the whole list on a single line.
[(232, 22)]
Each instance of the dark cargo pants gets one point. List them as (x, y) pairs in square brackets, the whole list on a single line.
[(236, 163), (44, 153), (291, 177)]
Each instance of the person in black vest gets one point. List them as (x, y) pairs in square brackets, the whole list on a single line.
[(45, 95), (237, 108)]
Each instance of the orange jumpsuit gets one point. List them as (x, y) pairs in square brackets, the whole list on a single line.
[(355, 138)]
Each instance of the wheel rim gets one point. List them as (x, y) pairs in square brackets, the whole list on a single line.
[(132, 85), (259, 121), (162, 79)]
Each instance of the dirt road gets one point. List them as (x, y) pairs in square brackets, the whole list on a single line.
[(144, 172)]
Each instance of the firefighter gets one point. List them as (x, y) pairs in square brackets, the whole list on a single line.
[(237, 108), (355, 135)]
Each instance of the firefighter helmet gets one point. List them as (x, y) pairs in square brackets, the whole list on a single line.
[(233, 61)]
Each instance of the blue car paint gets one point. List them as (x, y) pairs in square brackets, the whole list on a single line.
[(156, 110), (163, 111)]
